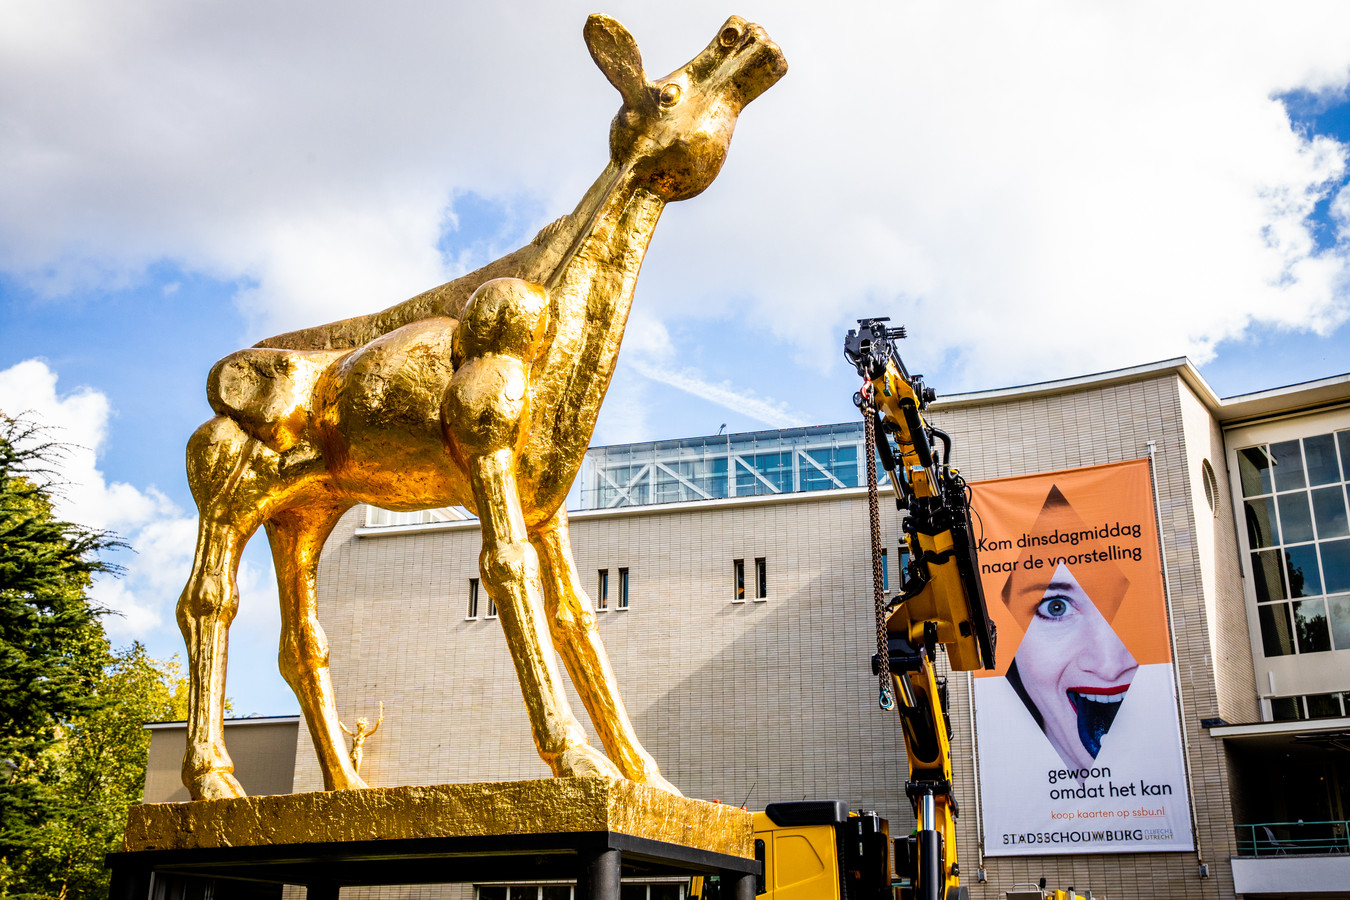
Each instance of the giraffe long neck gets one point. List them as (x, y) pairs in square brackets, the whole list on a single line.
[(591, 286)]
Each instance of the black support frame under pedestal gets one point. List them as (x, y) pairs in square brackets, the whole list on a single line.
[(596, 860)]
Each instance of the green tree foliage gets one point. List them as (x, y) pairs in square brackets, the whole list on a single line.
[(52, 648), (98, 767), (72, 745)]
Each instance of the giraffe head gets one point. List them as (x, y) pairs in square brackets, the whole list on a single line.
[(673, 132)]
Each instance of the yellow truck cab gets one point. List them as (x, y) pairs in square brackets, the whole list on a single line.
[(817, 850)]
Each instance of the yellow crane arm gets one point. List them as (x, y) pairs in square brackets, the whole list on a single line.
[(940, 602)]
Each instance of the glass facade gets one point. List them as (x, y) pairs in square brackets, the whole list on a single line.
[(1298, 534), (819, 458)]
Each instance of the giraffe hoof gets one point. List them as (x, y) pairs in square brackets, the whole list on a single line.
[(584, 761), (215, 786), (654, 779), (353, 783)]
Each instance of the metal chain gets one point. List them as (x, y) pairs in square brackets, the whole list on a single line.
[(885, 699)]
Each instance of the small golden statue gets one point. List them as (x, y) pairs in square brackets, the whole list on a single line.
[(363, 731), (483, 393)]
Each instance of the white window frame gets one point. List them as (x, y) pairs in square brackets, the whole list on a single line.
[(1297, 674), (475, 597)]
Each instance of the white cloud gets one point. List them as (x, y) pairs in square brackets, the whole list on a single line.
[(149, 522), (1036, 189), (136, 615), (739, 399), (79, 420)]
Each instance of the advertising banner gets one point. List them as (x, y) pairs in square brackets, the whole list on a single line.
[(1079, 743)]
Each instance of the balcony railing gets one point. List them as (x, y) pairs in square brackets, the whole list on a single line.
[(1294, 838)]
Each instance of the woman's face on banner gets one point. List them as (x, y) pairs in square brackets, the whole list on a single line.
[(1074, 668)]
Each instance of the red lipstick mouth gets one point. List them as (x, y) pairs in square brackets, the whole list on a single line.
[(1106, 691), (1096, 694)]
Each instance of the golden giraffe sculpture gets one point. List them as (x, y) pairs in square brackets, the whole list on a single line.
[(482, 392)]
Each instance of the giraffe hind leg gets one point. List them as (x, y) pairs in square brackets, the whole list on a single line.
[(572, 623), (219, 458), (510, 571), (297, 537)]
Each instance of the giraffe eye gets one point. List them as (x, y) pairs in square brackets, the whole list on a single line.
[(671, 94), (730, 36)]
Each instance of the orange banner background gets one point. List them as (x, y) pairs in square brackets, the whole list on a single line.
[(1011, 513)]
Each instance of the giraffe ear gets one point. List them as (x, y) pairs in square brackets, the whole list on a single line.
[(616, 53)]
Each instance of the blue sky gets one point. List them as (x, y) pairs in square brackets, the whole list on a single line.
[(1036, 190)]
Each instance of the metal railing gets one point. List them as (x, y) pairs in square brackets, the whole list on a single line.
[(1294, 838)]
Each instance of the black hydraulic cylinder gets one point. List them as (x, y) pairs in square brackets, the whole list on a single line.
[(916, 433), (884, 449)]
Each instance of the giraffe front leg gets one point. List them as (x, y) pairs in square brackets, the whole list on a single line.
[(510, 570), (571, 619)]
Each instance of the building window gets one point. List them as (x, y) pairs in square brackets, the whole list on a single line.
[(902, 564), (761, 579), (763, 473), (1309, 706), (380, 518), (602, 591), (629, 890), (623, 588), (828, 467), (1298, 541), (885, 571), (738, 574), (525, 892), (492, 607), (473, 599)]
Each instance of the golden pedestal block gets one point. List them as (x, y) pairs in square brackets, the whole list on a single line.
[(548, 806), (589, 830)]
